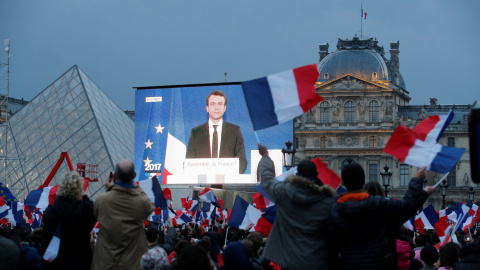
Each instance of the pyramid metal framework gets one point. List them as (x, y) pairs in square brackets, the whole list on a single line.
[(71, 115)]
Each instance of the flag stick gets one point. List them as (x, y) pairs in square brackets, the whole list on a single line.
[(441, 179), (256, 136)]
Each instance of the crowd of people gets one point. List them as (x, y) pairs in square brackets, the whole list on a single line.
[(313, 229)]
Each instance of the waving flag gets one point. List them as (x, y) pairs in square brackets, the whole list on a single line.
[(243, 214), (153, 190), (181, 220), (419, 148), (426, 219), (260, 202), (41, 198), (52, 250), (208, 196), (326, 175), (3, 208), (280, 97), (7, 194)]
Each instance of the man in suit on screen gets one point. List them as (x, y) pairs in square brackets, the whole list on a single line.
[(217, 138)]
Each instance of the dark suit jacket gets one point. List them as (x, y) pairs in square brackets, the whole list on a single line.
[(231, 145)]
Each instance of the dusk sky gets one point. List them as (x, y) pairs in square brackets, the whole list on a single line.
[(121, 44)]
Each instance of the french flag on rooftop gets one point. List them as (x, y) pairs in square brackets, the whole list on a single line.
[(280, 97), (208, 196), (419, 147), (41, 198)]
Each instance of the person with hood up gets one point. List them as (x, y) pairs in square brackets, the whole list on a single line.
[(298, 236)]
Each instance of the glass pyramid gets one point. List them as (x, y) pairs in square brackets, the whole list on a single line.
[(71, 115)]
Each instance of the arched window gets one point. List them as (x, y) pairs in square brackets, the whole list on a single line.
[(323, 142), (325, 76), (349, 112), (372, 142), (325, 112), (374, 111), (374, 76)]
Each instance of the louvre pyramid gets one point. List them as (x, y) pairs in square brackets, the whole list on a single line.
[(71, 115)]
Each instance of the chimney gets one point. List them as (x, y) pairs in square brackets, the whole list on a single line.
[(394, 62), (323, 50)]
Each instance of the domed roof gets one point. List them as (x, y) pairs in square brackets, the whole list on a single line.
[(363, 58)]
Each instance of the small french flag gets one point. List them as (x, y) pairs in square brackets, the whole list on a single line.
[(419, 147), (280, 97), (208, 196), (52, 250)]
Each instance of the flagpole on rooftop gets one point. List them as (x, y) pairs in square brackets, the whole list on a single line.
[(361, 23)]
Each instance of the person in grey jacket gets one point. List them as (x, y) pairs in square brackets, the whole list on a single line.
[(298, 236)]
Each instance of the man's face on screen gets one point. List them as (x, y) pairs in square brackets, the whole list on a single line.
[(216, 107)]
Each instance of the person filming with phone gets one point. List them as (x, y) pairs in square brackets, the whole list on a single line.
[(121, 211)]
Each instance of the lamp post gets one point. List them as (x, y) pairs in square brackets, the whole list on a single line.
[(471, 194), (386, 175), (288, 155), (443, 191)]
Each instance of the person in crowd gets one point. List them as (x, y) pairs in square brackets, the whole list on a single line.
[(404, 249), (155, 259), (298, 236), (29, 256), (429, 255), (152, 237), (449, 256), (374, 188), (469, 258), (179, 247), (193, 257), (9, 254), (420, 242), (36, 238), (73, 213), (359, 222), (121, 211), (236, 256)]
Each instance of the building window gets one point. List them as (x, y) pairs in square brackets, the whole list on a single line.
[(452, 176), (295, 143), (323, 142), (349, 112), (374, 76), (324, 112), (374, 111), (325, 76), (373, 172), (404, 174), (372, 142)]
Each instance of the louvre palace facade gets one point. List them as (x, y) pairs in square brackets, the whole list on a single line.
[(365, 100)]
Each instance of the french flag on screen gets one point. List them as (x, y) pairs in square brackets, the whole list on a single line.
[(280, 97), (52, 250), (176, 149), (419, 147), (41, 198)]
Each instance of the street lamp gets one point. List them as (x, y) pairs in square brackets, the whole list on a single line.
[(386, 175), (471, 194), (288, 155), (443, 191)]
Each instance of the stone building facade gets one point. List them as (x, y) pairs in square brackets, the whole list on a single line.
[(365, 99)]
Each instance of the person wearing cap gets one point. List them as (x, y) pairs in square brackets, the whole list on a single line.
[(298, 236), (359, 228)]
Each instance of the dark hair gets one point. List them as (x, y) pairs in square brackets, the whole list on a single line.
[(449, 254), (217, 93), (192, 257), (470, 249), (152, 234), (353, 176), (374, 188), (180, 246), (429, 255), (125, 174), (420, 241), (257, 240)]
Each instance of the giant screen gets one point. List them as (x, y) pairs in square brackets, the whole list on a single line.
[(165, 116)]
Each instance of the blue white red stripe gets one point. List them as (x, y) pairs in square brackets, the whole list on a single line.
[(280, 97), (41, 198), (208, 196), (52, 250)]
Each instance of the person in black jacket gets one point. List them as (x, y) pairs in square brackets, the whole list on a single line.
[(74, 210), (359, 221)]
